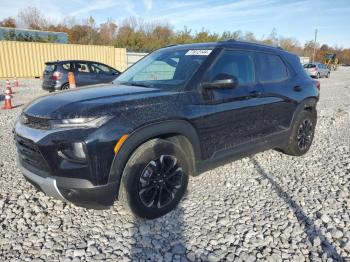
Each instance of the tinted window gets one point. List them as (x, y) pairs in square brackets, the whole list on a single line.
[(67, 66), (82, 67), (309, 66), (270, 68), (49, 68), (100, 68), (233, 64)]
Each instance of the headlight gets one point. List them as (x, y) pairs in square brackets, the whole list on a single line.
[(90, 122)]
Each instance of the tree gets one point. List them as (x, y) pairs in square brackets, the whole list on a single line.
[(309, 48), (32, 18), (8, 22), (249, 36), (227, 35), (107, 32), (183, 37), (290, 44)]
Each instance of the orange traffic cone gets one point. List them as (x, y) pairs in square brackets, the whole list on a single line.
[(8, 104), (8, 87), (16, 83), (8, 91), (71, 80)]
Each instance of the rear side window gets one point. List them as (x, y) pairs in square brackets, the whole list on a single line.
[(82, 67), (309, 66), (49, 68), (67, 66), (270, 68)]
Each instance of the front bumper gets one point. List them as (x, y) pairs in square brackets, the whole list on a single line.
[(77, 191), (64, 181), (46, 184)]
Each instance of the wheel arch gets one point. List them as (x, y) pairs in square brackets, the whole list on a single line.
[(308, 104), (177, 131), (65, 83)]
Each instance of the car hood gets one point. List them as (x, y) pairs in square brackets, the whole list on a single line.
[(94, 101)]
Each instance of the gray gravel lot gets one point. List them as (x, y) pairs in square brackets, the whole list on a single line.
[(265, 207)]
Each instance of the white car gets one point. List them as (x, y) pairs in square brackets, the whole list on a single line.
[(317, 70)]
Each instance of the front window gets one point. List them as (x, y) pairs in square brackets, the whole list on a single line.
[(233, 64), (165, 69)]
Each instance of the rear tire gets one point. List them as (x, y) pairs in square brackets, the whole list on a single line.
[(155, 179), (328, 75), (65, 86), (302, 134)]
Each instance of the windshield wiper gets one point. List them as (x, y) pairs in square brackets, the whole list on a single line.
[(135, 84)]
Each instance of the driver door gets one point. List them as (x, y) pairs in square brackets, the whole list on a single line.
[(233, 115)]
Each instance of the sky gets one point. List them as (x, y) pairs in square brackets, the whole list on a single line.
[(297, 19)]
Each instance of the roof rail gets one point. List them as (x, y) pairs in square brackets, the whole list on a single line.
[(171, 45)]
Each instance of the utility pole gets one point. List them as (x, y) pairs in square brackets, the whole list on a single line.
[(313, 56)]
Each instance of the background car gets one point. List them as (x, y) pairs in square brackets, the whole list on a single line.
[(55, 76), (317, 70)]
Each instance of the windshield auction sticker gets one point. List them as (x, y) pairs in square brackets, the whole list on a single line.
[(198, 52)]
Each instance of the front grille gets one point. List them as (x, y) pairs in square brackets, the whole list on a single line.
[(29, 153), (35, 122)]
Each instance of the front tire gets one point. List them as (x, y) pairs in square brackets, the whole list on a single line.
[(318, 76), (302, 134), (155, 179), (328, 75)]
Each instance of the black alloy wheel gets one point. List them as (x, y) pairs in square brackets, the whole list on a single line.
[(160, 181), (305, 134)]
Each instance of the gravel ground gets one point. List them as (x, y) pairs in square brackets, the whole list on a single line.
[(265, 207)]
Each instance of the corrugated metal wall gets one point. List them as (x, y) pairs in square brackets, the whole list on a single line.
[(26, 59), (133, 57)]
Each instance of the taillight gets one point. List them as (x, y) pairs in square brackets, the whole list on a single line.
[(56, 75), (318, 85)]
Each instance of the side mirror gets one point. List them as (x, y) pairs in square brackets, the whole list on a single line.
[(221, 83)]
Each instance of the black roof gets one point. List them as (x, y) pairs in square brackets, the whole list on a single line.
[(230, 43), (73, 60)]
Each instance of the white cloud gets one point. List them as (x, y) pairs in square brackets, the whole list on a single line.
[(94, 6), (238, 10), (148, 4)]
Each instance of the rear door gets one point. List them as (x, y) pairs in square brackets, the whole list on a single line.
[(275, 78), (83, 74)]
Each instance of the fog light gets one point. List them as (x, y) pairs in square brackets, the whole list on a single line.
[(74, 152)]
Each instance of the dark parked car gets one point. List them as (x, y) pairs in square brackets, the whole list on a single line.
[(55, 76), (176, 113)]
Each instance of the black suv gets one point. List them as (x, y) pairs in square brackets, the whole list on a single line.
[(177, 112), (55, 75)]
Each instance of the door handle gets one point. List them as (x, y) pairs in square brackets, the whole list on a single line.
[(255, 93), (297, 88)]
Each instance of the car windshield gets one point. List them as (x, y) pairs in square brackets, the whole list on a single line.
[(164, 68), (309, 66)]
